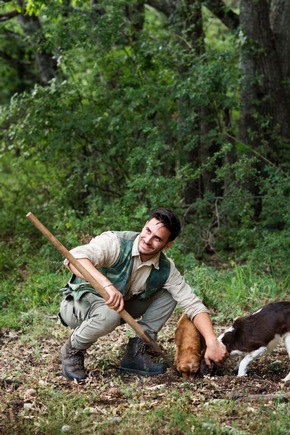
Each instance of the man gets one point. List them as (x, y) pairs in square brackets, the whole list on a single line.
[(138, 277)]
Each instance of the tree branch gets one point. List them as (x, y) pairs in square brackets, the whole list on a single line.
[(284, 396), (228, 17), (8, 15), (167, 7)]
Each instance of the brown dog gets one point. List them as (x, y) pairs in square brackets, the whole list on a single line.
[(189, 345)]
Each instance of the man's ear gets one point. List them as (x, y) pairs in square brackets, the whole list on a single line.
[(168, 244)]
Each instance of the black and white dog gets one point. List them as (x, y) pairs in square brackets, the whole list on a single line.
[(259, 332)]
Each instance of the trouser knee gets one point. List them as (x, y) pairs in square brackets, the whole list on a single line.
[(98, 324), (153, 311), (67, 313)]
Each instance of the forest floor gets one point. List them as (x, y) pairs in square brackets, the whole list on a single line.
[(31, 383)]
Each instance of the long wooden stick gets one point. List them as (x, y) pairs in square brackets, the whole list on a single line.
[(88, 277)]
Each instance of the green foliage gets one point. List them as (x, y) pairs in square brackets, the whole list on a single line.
[(117, 132), (31, 283)]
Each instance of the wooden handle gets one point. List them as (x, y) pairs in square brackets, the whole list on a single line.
[(88, 277)]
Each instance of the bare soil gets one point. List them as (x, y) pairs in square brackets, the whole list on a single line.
[(30, 364)]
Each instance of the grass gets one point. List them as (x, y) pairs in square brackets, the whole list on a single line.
[(141, 411), (232, 291)]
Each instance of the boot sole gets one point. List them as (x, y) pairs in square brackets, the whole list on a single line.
[(71, 378)]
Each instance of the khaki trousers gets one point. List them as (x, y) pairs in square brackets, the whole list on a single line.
[(90, 318)]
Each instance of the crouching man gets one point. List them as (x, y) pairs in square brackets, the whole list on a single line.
[(138, 276)]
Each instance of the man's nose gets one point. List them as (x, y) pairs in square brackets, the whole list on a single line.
[(148, 239)]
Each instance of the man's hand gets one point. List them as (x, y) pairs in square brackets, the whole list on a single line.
[(115, 301), (215, 351)]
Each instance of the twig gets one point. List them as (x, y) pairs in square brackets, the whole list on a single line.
[(282, 396)]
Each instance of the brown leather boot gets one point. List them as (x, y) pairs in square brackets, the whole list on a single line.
[(73, 362), (137, 361)]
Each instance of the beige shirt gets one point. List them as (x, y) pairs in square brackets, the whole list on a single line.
[(104, 250)]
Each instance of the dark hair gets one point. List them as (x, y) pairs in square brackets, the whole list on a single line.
[(169, 220)]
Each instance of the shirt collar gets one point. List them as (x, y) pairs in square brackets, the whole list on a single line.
[(154, 261)]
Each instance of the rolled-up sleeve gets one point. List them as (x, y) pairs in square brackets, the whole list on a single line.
[(183, 293), (102, 250)]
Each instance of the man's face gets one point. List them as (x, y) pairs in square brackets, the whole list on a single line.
[(153, 238)]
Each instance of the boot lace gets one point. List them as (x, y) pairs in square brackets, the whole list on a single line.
[(141, 348), (77, 358)]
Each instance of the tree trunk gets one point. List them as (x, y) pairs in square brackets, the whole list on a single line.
[(265, 109), (45, 62), (193, 32)]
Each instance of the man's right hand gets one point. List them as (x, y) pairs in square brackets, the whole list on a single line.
[(115, 301)]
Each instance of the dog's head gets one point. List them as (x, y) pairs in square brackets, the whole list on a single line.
[(188, 367), (228, 338)]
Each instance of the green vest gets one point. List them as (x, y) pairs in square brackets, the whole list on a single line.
[(120, 272)]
